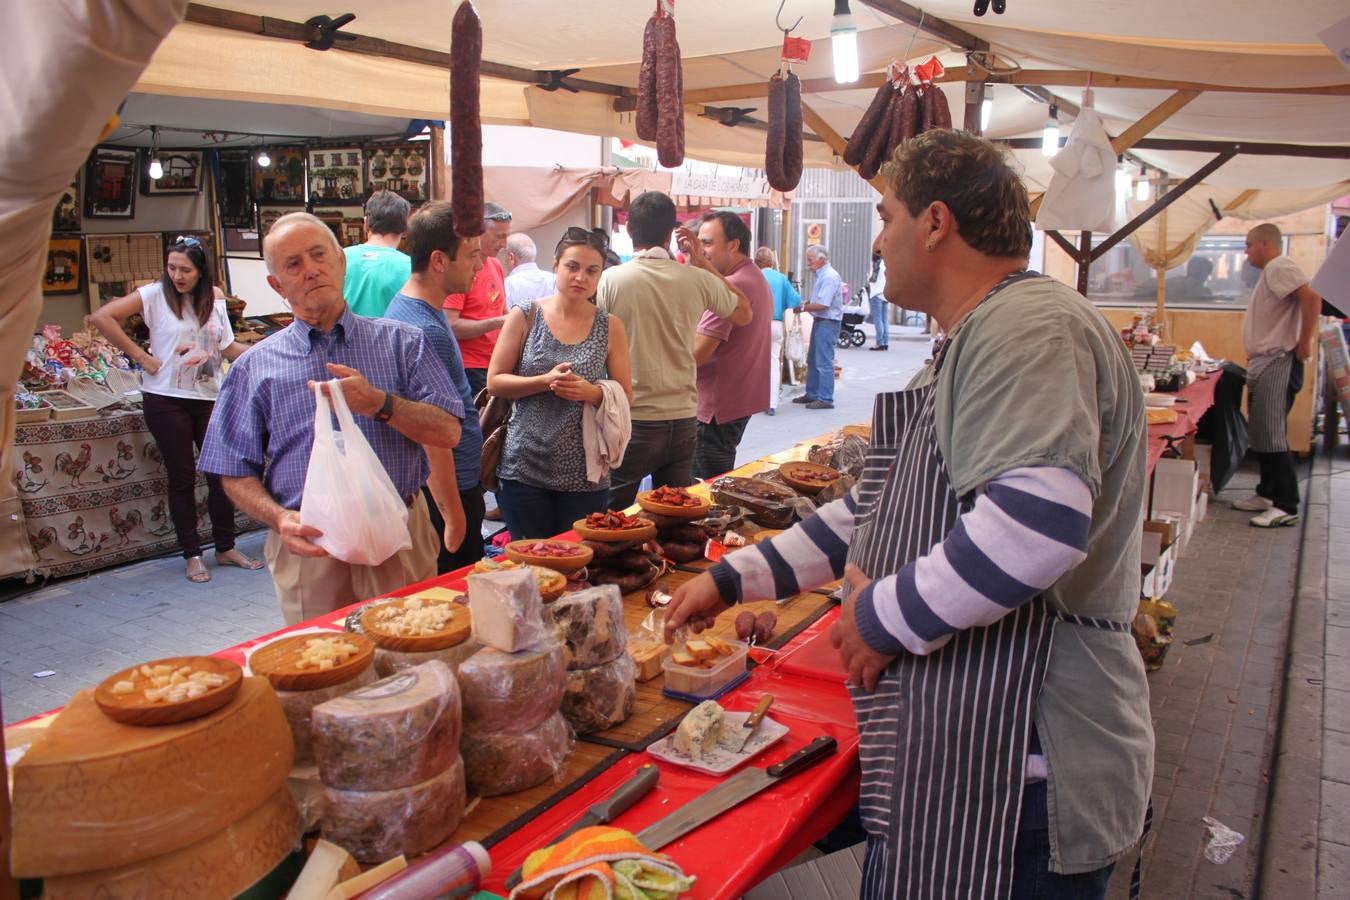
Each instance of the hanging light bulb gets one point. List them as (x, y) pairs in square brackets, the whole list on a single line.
[(1122, 179), (156, 170), (264, 160), (844, 44), (1050, 137), (1141, 187), (987, 108)]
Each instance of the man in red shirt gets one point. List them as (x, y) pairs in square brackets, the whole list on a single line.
[(733, 360), (476, 318)]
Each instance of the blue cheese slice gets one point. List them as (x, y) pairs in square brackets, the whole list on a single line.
[(700, 730)]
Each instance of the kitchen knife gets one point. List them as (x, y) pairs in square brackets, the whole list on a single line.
[(751, 724), (607, 810), (742, 785)]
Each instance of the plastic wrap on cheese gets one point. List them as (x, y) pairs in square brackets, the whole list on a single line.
[(512, 692), (590, 625), (497, 763), (401, 730), (376, 825), (506, 609), (298, 705), (600, 697), (387, 662)]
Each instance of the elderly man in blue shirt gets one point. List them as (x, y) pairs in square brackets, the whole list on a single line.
[(826, 305), (262, 429)]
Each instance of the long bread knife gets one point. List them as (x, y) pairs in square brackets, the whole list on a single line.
[(739, 787), (607, 810)]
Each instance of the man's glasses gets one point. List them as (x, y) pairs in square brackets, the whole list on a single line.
[(497, 217)]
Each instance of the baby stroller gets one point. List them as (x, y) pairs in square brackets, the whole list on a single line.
[(850, 335)]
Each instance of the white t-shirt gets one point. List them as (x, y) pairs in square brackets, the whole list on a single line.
[(1273, 319), (191, 364)]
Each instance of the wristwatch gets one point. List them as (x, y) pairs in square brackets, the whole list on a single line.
[(387, 410)]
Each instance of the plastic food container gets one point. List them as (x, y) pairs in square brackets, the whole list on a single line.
[(703, 683)]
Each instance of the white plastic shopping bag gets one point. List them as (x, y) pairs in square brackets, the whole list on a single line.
[(348, 495)]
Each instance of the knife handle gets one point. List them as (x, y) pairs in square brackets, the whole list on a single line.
[(758, 715), (628, 793), (812, 753)]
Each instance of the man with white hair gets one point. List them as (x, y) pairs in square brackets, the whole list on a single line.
[(262, 429), (826, 305), (525, 281)]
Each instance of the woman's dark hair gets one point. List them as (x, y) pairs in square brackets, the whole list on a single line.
[(596, 239), (203, 296)]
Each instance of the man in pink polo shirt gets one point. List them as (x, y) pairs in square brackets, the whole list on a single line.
[(476, 318), (733, 360)]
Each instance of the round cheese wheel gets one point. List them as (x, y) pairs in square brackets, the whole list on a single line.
[(223, 865), (401, 730), (600, 697), (92, 794), (590, 624), (497, 763), (297, 705), (512, 692), (387, 662), (377, 825)]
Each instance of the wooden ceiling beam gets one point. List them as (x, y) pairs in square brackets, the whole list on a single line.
[(1151, 120), (834, 139), (1246, 148), (939, 28)]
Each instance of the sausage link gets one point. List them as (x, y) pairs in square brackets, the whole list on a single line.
[(896, 135), (646, 122), (792, 147), (909, 126), (876, 141), (669, 95), (857, 142), (466, 133), (942, 109), (776, 139)]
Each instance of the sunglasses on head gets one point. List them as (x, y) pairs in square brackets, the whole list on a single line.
[(187, 240), (594, 237)]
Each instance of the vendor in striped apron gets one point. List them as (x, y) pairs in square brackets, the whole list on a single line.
[(991, 549)]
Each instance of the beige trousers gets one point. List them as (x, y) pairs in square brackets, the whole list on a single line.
[(309, 586)]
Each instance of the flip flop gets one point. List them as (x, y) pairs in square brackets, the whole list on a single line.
[(249, 562), (200, 577)]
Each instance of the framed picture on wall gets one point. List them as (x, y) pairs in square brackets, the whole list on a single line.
[(336, 175), (401, 168), (346, 223), (66, 216), (282, 180), (269, 214), (111, 176), (235, 195), (182, 174), (65, 266), (243, 240)]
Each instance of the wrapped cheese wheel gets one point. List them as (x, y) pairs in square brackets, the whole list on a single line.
[(512, 692), (376, 825), (387, 662), (401, 730), (498, 763), (600, 697), (298, 705), (506, 608), (590, 625)]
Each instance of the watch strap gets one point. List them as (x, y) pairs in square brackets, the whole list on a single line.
[(387, 410)]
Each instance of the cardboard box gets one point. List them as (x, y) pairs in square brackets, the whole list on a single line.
[(1204, 456), (1175, 484), (1158, 555), (1158, 574)]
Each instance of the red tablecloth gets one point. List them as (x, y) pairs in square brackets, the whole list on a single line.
[(1193, 401)]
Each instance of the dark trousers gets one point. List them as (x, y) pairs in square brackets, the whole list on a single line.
[(477, 380), (663, 450), (717, 443), (535, 512), (1032, 878), (471, 549), (177, 423), (1279, 479)]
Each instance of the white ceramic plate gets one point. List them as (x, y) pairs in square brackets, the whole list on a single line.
[(1160, 401), (721, 760)]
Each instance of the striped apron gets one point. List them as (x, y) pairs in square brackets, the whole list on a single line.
[(1268, 401), (944, 737)]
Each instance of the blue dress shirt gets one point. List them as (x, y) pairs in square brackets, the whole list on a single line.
[(828, 290)]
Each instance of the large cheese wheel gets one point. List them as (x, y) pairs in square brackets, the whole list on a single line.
[(590, 625), (512, 692), (221, 865), (297, 705), (398, 731), (91, 793), (600, 697), (376, 825), (387, 662), (496, 763)]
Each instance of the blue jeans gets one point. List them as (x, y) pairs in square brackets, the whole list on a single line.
[(535, 512), (880, 309), (820, 360), (1032, 878)]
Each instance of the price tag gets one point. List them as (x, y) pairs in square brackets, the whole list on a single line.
[(797, 50), (714, 550)]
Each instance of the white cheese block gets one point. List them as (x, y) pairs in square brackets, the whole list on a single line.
[(506, 609), (321, 872), (398, 731), (600, 697), (700, 729), (353, 887), (496, 763), (376, 825), (590, 625), (512, 692), (297, 705)]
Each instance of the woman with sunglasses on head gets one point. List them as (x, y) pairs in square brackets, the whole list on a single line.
[(551, 358), (190, 336)]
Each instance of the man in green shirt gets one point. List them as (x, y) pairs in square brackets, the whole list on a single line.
[(377, 269)]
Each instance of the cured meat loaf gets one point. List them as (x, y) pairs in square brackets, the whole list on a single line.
[(376, 825), (600, 697), (591, 627), (466, 133)]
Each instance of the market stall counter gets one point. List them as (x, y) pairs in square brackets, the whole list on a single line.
[(1190, 405)]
